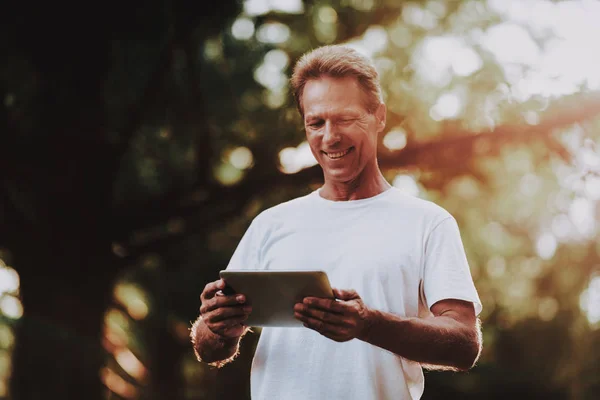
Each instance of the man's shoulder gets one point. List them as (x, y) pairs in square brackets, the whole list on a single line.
[(418, 207), (284, 209)]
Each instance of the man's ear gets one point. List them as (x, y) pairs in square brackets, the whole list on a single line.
[(380, 116)]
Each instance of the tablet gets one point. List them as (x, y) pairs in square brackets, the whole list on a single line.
[(273, 294)]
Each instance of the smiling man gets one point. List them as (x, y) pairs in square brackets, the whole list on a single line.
[(405, 298)]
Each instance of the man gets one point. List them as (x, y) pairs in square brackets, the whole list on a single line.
[(406, 296)]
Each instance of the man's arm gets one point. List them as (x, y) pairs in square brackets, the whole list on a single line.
[(216, 334), (449, 339)]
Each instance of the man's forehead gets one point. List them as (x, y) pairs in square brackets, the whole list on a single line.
[(333, 95), (328, 83), (321, 111)]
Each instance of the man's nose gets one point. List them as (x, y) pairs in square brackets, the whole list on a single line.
[(331, 135)]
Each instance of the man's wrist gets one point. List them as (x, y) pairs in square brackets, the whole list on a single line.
[(221, 342), (371, 319)]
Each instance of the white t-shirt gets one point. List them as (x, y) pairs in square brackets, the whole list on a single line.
[(382, 247)]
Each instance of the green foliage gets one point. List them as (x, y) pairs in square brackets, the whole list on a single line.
[(483, 132)]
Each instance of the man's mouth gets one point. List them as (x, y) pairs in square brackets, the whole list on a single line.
[(338, 154)]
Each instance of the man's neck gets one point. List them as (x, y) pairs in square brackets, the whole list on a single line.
[(361, 188)]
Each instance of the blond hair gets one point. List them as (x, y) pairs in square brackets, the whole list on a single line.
[(337, 61)]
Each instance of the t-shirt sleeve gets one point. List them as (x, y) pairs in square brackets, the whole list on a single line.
[(446, 272), (246, 254)]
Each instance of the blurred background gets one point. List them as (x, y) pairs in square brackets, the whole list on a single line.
[(138, 141)]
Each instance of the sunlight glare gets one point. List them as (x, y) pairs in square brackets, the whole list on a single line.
[(242, 29), (589, 158), (287, 6), (466, 61), (547, 308), (278, 58), (569, 57), (213, 49), (115, 336), (256, 7), (582, 214), (241, 157), (511, 44), (130, 363), (5, 368), (362, 5), (589, 301), (274, 99), (9, 280), (118, 385), (406, 184), (294, 159), (7, 338), (395, 139), (520, 290), (270, 76), (116, 321), (273, 33), (448, 106), (413, 14), (496, 266), (437, 57), (327, 15), (11, 307), (227, 174), (531, 117), (401, 36), (562, 228), (530, 184), (546, 246), (592, 187), (375, 39), (261, 7), (133, 299)]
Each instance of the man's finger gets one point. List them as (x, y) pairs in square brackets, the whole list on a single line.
[(211, 289), (325, 329), (226, 313), (310, 322), (222, 301), (321, 315), (325, 304), (345, 294)]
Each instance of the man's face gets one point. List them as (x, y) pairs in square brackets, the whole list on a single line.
[(341, 132)]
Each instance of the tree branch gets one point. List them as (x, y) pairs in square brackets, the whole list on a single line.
[(561, 116), (436, 154)]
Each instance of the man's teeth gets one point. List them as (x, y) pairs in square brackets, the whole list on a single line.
[(339, 154)]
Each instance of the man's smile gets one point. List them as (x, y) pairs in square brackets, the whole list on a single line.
[(338, 154)]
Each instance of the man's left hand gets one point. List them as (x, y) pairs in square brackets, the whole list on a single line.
[(340, 320)]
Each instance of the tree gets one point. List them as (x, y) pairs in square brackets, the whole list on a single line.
[(64, 141)]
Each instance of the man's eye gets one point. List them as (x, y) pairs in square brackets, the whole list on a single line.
[(315, 124)]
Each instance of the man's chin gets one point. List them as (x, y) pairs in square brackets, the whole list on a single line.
[(339, 176)]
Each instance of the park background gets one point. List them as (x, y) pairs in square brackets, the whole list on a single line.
[(138, 141)]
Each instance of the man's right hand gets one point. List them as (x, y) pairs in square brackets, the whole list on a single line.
[(223, 315)]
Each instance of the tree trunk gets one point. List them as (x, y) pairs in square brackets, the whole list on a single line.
[(62, 249), (66, 283)]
